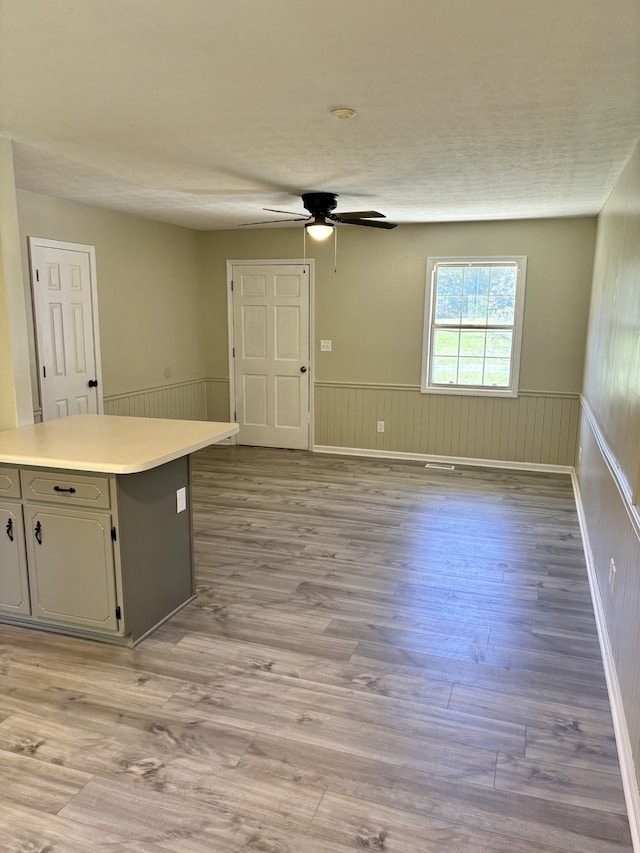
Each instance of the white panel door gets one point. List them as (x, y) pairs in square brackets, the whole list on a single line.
[(66, 328), (271, 354)]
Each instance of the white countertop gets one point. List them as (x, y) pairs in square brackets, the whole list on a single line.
[(110, 444)]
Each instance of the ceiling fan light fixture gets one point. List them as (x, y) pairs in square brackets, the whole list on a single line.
[(319, 229)]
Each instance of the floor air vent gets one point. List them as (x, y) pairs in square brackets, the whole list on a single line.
[(440, 467)]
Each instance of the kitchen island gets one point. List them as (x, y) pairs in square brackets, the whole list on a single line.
[(95, 523)]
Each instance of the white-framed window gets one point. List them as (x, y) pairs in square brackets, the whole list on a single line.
[(473, 325)]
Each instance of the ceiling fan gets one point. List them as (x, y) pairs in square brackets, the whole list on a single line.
[(321, 219)]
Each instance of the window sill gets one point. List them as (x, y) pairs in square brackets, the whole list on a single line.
[(471, 392)]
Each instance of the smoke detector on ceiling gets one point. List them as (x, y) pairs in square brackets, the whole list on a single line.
[(343, 112)]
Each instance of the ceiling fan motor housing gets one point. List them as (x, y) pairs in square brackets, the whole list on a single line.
[(320, 204)]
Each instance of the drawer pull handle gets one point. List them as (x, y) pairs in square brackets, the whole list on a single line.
[(38, 533), (70, 491), (10, 529)]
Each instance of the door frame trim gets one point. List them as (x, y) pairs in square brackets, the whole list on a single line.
[(45, 243), (309, 262)]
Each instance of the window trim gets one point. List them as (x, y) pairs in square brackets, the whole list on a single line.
[(474, 390)]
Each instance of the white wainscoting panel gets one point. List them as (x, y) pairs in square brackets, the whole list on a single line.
[(536, 427), (185, 401), (611, 532)]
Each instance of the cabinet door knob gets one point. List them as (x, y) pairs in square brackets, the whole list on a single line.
[(38, 533), (93, 383), (10, 529)]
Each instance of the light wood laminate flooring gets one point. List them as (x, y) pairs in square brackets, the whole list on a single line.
[(381, 657)]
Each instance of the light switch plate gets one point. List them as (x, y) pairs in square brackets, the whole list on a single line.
[(181, 499), (325, 346)]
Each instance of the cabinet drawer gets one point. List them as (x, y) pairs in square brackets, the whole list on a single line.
[(9, 482), (69, 489)]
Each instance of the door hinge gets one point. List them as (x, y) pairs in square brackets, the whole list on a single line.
[(235, 416), (233, 352), (232, 286), (44, 372), (118, 612), (37, 275), (113, 534)]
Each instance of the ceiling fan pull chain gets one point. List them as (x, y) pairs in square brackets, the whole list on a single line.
[(304, 244), (335, 250)]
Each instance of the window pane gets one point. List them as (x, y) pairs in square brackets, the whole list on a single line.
[(446, 343), (496, 372), (444, 370), (448, 309), (499, 344), (449, 286), (476, 295), (450, 280), (470, 372), (472, 343), (502, 296)]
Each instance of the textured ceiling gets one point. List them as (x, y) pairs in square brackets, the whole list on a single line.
[(202, 112)]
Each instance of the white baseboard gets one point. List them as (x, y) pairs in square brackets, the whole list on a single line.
[(621, 730), (445, 460)]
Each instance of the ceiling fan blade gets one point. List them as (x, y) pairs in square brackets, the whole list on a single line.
[(273, 210), (361, 214), (272, 221), (369, 223)]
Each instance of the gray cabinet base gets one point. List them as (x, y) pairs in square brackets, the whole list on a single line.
[(154, 542)]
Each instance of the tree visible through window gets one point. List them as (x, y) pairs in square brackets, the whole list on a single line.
[(472, 324)]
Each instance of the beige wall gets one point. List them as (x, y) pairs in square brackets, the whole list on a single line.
[(162, 304), (15, 397), (372, 308), (149, 289), (612, 372), (610, 435)]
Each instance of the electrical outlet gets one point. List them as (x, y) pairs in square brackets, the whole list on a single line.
[(579, 455), (181, 499), (325, 346), (612, 575), (380, 426)]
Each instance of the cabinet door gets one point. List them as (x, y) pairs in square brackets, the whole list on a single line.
[(14, 585), (71, 568)]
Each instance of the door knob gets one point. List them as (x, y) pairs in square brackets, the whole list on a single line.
[(93, 383), (303, 369)]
